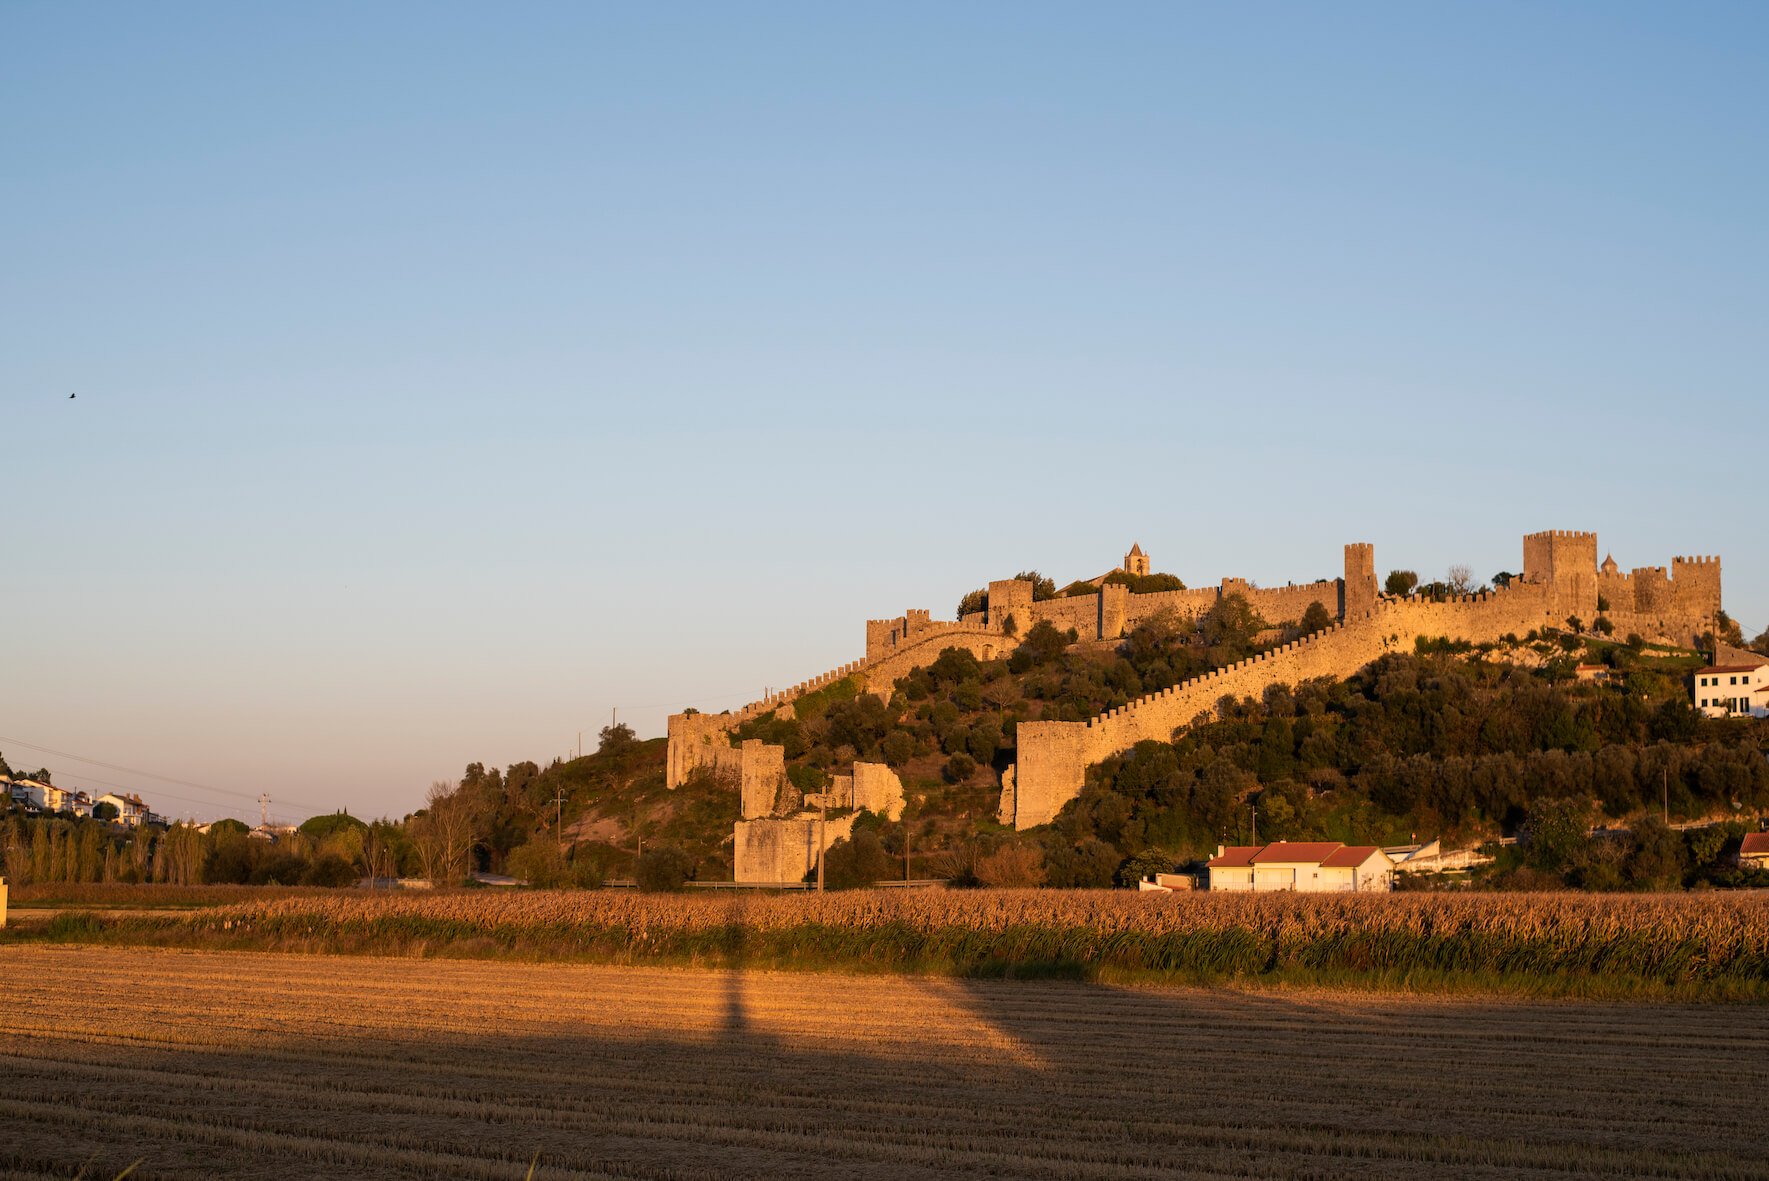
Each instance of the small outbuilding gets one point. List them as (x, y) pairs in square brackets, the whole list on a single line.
[(1754, 852)]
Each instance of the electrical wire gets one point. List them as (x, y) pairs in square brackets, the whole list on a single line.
[(150, 775)]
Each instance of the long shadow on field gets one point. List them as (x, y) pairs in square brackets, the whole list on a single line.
[(290, 1066)]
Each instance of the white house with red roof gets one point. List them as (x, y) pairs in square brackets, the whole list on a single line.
[(1305, 867), (1736, 685), (1754, 852)]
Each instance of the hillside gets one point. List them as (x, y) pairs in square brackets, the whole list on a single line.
[(1445, 742)]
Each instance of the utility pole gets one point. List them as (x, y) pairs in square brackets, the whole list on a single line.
[(1255, 810), (559, 816), (822, 836), (580, 744), (263, 809), (1665, 777)]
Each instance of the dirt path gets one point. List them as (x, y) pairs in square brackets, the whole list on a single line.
[(281, 1066)]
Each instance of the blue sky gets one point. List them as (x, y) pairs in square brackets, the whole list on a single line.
[(450, 375)]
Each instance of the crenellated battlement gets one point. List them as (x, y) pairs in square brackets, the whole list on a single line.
[(1560, 578)]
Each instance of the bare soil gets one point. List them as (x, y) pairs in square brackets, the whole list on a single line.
[(204, 1064)]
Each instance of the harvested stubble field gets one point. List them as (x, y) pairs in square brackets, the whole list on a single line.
[(1687, 947), (268, 1065)]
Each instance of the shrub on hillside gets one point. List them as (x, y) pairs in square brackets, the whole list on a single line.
[(664, 868), (858, 861), (1014, 865)]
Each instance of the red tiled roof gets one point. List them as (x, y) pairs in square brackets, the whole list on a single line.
[(1235, 857), (1349, 856), (1731, 668), (1755, 843), (1306, 852)]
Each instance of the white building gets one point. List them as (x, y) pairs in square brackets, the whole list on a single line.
[(130, 809), (1754, 852), (1735, 687), (1307, 867)]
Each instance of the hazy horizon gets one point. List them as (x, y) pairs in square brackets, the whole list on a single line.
[(448, 378)]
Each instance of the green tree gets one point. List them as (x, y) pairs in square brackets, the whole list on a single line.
[(1042, 587), (616, 740), (1657, 859), (1400, 582), (858, 861), (1229, 627), (664, 868), (1554, 834)]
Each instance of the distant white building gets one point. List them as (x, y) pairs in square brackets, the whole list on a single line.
[(1306, 867), (1736, 686), (130, 809), (1754, 852)]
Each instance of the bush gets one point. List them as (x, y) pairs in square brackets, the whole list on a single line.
[(540, 864), (858, 861), (1400, 582), (1087, 862), (953, 666), (973, 602), (1013, 865), (959, 768), (1145, 865), (664, 868), (329, 870)]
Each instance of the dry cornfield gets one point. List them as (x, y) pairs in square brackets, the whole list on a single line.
[(270, 1065), (1686, 945)]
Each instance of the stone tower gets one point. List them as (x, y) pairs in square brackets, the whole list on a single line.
[(1136, 562), (1358, 593), (1565, 561)]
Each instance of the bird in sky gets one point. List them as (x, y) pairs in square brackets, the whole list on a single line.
[(71, 395)]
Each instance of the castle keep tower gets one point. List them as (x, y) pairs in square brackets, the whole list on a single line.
[(1136, 562), (1565, 562), (1358, 593)]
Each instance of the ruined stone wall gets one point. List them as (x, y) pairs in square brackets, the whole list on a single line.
[(762, 773), (768, 852), (876, 788), (699, 740), (1053, 756), (696, 738)]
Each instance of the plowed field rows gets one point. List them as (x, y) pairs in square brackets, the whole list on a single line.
[(262, 1065)]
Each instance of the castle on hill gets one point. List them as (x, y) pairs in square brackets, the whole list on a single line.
[(1561, 581)]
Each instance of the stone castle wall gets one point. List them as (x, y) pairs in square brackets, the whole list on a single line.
[(1053, 757), (768, 852), (697, 739), (1561, 578)]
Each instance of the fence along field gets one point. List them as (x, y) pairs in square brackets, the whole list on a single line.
[(1691, 946), (292, 1066)]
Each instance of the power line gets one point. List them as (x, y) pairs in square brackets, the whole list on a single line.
[(147, 774)]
